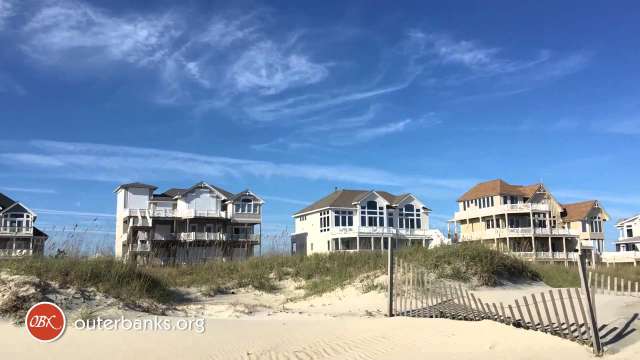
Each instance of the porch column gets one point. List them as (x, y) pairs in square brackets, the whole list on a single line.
[(508, 244), (339, 243), (550, 247), (533, 243), (358, 243), (564, 249), (372, 243), (424, 242)]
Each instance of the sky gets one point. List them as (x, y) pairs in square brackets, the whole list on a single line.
[(292, 99)]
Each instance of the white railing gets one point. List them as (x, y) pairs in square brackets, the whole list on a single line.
[(191, 236), (192, 213), (17, 252), (140, 247), (621, 256), (163, 212), (377, 231), (243, 237), (500, 209), (16, 229), (515, 232), (137, 212), (545, 255)]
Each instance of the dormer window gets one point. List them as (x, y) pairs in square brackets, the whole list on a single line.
[(247, 206)]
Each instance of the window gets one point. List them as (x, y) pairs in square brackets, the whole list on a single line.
[(409, 217), (584, 226), (505, 200), (629, 232), (208, 228), (193, 228), (596, 224), (302, 218), (343, 218), (371, 214), (490, 224), (324, 221), (247, 206)]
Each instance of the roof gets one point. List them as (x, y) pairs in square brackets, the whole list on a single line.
[(346, 198), (173, 192), (5, 201), (499, 187), (629, 219), (579, 210), (135, 184), (39, 233)]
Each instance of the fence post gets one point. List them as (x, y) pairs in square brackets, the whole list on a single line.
[(390, 274), (593, 324)]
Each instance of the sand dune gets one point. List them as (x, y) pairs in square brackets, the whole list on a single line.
[(344, 324)]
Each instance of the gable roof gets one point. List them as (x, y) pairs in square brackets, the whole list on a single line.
[(499, 187), (173, 192), (346, 198), (5, 201), (135, 184), (627, 220), (580, 210)]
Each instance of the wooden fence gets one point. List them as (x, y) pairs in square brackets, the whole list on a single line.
[(561, 312), (608, 285)]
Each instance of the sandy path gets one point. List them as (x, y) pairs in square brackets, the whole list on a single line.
[(345, 338)]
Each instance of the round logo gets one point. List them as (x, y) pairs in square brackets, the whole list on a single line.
[(45, 321)]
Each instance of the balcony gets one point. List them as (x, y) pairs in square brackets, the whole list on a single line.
[(501, 209), (621, 256), (170, 213), (250, 218), (215, 236), (15, 253), (516, 232), (140, 247), (16, 230), (544, 255), (191, 213), (376, 231), (193, 236)]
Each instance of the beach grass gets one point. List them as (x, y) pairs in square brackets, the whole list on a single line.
[(318, 273)]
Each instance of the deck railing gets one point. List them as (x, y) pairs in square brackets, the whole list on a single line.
[(16, 252), (16, 230)]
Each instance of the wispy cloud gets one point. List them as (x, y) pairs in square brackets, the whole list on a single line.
[(285, 200), (111, 163), (73, 213), (28, 190), (64, 29), (266, 69), (6, 11), (623, 127)]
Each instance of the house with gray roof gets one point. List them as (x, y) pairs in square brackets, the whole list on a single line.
[(362, 220), (186, 225), (18, 235)]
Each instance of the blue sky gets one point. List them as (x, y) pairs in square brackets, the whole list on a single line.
[(292, 99)]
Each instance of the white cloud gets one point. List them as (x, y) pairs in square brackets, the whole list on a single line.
[(6, 11), (28, 190), (111, 163), (285, 200), (73, 213), (267, 69), (386, 129), (67, 28)]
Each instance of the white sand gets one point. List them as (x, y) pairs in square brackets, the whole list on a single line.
[(345, 324)]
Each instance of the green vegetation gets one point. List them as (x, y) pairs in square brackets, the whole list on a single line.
[(560, 276), (108, 276), (320, 273), (469, 262)]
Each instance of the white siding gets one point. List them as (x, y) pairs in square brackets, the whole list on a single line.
[(202, 199), (137, 198)]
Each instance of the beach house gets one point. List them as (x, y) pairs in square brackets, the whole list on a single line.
[(528, 221), (186, 225), (361, 220), (18, 234)]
